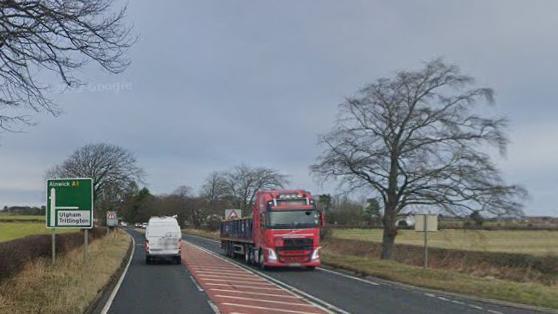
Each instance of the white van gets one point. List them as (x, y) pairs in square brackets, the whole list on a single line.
[(162, 239)]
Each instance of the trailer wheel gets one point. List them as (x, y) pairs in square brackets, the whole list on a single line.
[(247, 254)]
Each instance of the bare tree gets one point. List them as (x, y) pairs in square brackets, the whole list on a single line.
[(214, 190), (113, 169), (242, 183), (58, 36), (416, 141)]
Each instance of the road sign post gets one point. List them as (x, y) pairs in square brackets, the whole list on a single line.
[(69, 205), (426, 223)]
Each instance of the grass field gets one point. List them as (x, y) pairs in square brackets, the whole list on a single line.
[(9, 217), (512, 241), (14, 230), (68, 287)]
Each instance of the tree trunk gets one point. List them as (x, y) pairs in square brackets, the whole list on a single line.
[(390, 232)]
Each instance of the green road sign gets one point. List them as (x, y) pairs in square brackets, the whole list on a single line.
[(70, 203)]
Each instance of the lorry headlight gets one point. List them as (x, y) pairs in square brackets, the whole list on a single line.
[(316, 254), (271, 255)]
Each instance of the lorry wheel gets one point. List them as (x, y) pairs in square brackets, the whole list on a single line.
[(261, 261)]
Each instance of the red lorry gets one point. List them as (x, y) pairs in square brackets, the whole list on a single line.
[(283, 231)]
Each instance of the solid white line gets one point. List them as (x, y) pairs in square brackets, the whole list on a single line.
[(267, 308), (328, 307), (349, 276), (200, 289), (213, 307), (259, 293), (121, 279), (240, 286), (264, 300)]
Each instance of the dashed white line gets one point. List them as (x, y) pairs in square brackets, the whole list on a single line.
[(475, 306), (494, 312)]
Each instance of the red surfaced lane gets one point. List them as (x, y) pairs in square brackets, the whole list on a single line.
[(234, 289)]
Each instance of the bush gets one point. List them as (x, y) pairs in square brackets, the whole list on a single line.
[(16, 253)]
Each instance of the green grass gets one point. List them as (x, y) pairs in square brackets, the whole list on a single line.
[(511, 241), (526, 293), (14, 230)]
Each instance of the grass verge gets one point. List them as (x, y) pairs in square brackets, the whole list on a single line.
[(525, 293), (70, 285), (528, 293), (15, 230)]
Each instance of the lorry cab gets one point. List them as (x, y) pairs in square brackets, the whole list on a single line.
[(163, 239)]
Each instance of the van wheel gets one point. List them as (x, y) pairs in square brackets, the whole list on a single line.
[(147, 260), (178, 260)]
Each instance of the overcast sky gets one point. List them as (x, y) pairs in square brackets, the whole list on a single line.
[(217, 83)]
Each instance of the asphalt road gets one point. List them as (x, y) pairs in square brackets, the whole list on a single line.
[(168, 288), (355, 296), (159, 288)]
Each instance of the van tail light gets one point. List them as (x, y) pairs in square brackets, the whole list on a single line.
[(146, 245)]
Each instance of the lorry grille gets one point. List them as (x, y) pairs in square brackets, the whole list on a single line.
[(298, 244)]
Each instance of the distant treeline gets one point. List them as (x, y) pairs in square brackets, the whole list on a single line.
[(24, 210)]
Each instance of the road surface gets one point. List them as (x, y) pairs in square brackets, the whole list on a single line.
[(207, 277)]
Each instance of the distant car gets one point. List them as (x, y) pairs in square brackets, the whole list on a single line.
[(162, 240), (123, 224), (143, 225)]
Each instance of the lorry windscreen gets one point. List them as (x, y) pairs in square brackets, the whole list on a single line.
[(293, 219)]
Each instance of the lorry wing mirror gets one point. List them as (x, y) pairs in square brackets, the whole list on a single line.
[(322, 218)]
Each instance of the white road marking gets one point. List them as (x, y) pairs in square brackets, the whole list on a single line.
[(267, 308), (430, 295), (494, 312), (475, 306), (443, 299), (229, 277), (264, 300), (325, 306), (200, 289), (258, 293), (213, 307), (107, 306), (349, 276), (240, 286), (234, 281), (458, 302)]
